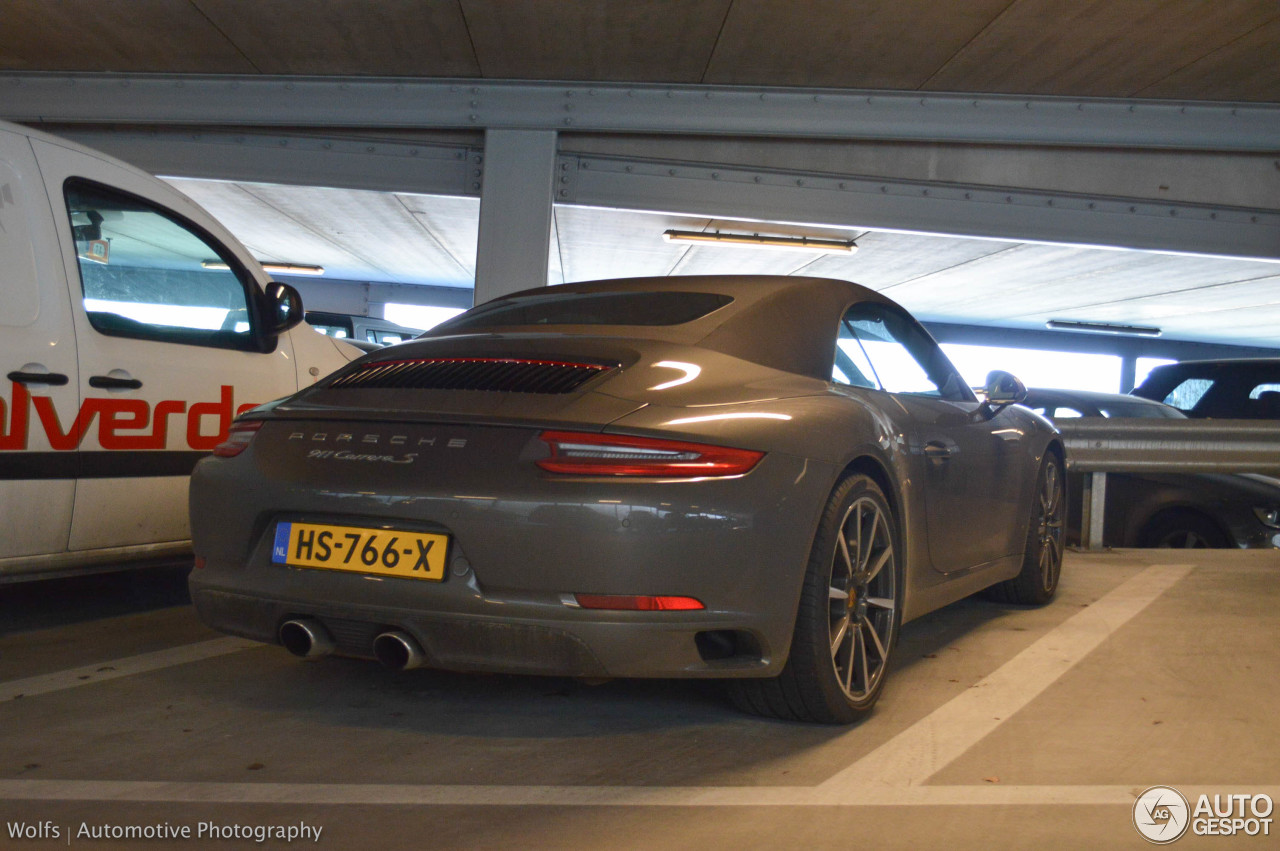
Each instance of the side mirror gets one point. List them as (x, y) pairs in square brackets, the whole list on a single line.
[(284, 308), (1002, 390)]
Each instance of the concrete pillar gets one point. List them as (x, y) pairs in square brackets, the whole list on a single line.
[(1128, 372), (515, 211)]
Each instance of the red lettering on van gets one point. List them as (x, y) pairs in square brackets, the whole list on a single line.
[(53, 428), (123, 424), (15, 436)]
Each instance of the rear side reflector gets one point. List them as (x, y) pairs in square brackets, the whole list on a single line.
[(585, 454), (638, 604), (237, 439)]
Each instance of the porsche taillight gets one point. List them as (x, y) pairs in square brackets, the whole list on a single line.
[(237, 438), (587, 454)]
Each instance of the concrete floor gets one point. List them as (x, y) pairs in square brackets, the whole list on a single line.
[(1000, 728)]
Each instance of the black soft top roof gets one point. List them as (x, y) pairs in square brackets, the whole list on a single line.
[(788, 323)]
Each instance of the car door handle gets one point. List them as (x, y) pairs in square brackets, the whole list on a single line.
[(108, 382), (939, 451), (55, 379)]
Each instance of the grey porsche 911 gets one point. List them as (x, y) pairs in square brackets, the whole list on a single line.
[(752, 478)]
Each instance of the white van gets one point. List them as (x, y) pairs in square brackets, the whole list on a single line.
[(133, 329)]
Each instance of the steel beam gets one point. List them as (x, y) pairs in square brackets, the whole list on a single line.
[(264, 100), (922, 207), (294, 159), (1149, 445)]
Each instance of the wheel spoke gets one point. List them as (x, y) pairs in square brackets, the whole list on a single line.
[(862, 666), (834, 593), (839, 638), (885, 603), (857, 523), (874, 571), (875, 636), (871, 540), (844, 551)]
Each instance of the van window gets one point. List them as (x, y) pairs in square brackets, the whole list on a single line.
[(148, 273)]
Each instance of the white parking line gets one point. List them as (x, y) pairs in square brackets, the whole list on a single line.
[(116, 668), (922, 750)]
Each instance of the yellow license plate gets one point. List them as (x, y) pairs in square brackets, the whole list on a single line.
[(377, 552)]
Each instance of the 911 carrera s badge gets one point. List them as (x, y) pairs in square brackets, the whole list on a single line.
[(347, 455)]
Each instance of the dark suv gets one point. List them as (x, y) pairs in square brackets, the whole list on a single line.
[(1246, 389)]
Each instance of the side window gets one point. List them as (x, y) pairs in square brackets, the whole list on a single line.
[(1256, 393), (1188, 393), (851, 366), (148, 274), (885, 348)]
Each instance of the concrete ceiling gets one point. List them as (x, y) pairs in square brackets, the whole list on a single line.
[(1184, 50)]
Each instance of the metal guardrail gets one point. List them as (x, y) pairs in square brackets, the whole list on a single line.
[(1147, 445)]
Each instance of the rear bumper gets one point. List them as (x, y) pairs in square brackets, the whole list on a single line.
[(519, 543), (585, 644)]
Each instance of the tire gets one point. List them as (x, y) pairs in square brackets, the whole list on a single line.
[(1182, 530), (848, 620), (1037, 582)]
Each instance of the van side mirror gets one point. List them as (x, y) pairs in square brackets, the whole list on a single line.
[(284, 308), (1002, 390)]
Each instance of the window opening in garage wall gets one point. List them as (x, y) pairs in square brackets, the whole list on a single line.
[(1038, 368), (418, 315)]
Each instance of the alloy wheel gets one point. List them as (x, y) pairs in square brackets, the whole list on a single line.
[(1050, 524), (863, 599)]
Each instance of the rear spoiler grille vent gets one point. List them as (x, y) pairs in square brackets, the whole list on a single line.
[(502, 375)]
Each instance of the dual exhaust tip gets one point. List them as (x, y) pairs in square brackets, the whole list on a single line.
[(308, 639)]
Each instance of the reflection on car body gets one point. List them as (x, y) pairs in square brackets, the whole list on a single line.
[(751, 478), (1182, 510)]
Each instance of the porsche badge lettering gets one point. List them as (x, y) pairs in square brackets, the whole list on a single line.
[(367, 441)]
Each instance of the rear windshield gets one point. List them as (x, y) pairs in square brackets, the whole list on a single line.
[(653, 308)]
